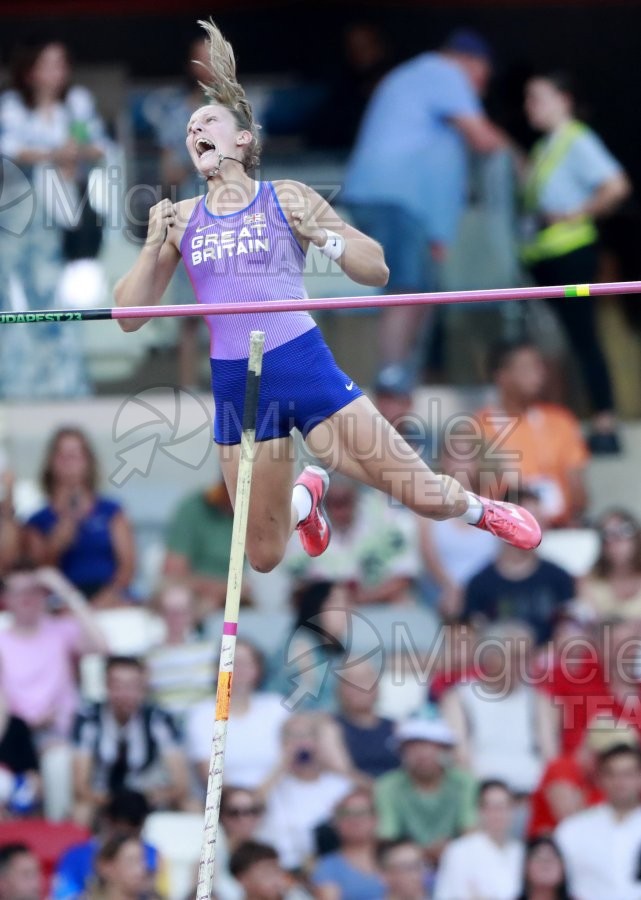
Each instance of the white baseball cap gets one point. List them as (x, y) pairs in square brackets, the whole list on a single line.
[(437, 731)]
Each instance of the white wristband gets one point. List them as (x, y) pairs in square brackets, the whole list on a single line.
[(334, 246)]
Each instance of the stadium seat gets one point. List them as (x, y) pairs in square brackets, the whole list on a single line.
[(92, 678), (574, 549), (178, 837), (57, 781), (398, 628), (47, 840), (267, 630), (388, 629), (270, 591), (130, 631), (402, 690)]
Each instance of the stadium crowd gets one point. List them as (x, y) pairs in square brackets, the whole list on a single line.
[(505, 764), (510, 752)]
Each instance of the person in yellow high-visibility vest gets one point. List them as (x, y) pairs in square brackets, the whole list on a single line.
[(572, 181)]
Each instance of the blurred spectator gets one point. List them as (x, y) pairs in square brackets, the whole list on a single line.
[(393, 398), (121, 871), (456, 659), (303, 791), (352, 872), (256, 867), (20, 785), (50, 129), (598, 676), (539, 445), (10, 530), (38, 651), (572, 634), (374, 546), (304, 668), (241, 815), (366, 57), (198, 543), (572, 182), (20, 873), (126, 742), (519, 584), (168, 111), (181, 670), (452, 553), (404, 870), (46, 840), (84, 534), (505, 728), (613, 589), (256, 718), (543, 872), (367, 736), (485, 865), (427, 799), (600, 846), (405, 183), (569, 782), (241, 812), (123, 814)]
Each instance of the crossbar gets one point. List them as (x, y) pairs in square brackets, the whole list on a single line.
[(328, 303)]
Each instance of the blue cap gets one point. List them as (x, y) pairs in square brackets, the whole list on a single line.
[(464, 40), (394, 379)]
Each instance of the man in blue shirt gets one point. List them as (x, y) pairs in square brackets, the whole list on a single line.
[(406, 181)]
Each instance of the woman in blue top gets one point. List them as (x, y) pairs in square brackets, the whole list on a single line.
[(572, 182), (351, 873), (85, 535)]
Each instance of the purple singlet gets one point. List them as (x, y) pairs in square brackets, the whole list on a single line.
[(248, 255)]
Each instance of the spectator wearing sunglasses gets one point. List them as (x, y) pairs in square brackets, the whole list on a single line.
[(241, 813), (613, 589)]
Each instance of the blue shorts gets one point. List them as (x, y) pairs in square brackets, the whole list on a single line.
[(300, 386)]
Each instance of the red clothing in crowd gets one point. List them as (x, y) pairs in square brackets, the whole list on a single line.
[(563, 768), (580, 690), (448, 678)]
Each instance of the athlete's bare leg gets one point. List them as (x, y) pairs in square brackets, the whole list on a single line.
[(360, 443), (271, 516)]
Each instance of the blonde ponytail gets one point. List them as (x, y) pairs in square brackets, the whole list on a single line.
[(223, 88)]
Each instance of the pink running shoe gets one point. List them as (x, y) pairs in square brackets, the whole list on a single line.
[(510, 522), (315, 531)]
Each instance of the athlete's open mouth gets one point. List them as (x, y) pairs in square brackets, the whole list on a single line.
[(204, 145)]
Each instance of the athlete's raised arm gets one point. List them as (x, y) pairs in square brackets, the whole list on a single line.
[(314, 221), (147, 280)]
